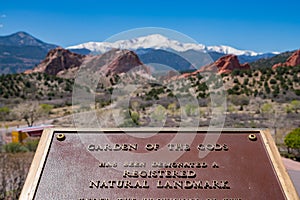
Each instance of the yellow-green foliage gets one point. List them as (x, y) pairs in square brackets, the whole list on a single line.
[(292, 140), (15, 147)]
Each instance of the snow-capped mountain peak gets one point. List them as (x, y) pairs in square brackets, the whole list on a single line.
[(230, 50), (157, 41)]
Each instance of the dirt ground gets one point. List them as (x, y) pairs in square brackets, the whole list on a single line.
[(13, 172)]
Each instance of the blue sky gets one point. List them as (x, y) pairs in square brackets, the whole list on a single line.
[(262, 26)]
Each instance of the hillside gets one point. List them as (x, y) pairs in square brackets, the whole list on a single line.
[(269, 62), (21, 51), (281, 84), (35, 86)]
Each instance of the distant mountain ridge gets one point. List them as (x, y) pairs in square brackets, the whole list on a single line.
[(149, 46), (157, 41), (21, 51), (24, 39)]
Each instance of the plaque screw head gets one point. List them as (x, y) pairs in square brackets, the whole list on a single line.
[(60, 137), (252, 137)]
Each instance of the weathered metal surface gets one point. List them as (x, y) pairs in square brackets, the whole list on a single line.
[(236, 167)]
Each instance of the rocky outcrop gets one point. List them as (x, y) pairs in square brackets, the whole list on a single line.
[(292, 61), (118, 61), (228, 63), (64, 63), (223, 65), (278, 65), (57, 61)]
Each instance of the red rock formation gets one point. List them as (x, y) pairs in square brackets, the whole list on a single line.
[(120, 61), (58, 60), (278, 65), (292, 61), (64, 63), (225, 64), (228, 63)]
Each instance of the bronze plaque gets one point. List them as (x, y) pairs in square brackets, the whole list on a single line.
[(168, 165)]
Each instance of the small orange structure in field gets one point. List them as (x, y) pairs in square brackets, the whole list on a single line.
[(20, 134)]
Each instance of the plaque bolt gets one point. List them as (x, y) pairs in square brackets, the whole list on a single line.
[(60, 137), (252, 137)]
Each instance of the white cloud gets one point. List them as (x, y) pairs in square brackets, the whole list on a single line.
[(2, 16)]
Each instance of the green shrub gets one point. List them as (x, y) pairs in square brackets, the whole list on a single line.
[(273, 81), (4, 113), (159, 113), (246, 81), (32, 145), (14, 147), (191, 110), (135, 117), (297, 92), (292, 140), (239, 100)]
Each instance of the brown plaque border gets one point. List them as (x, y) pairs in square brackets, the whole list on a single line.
[(40, 157)]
